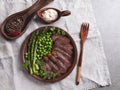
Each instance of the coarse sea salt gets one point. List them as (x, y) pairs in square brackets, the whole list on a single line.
[(50, 14)]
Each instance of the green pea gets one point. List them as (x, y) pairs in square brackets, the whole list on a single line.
[(47, 33)]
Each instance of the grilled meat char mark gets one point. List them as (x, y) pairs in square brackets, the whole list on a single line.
[(51, 64), (63, 59), (48, 68), (65, 49), (60, 38), (63, 53), (68, 46), (63, 43), (61, 66)]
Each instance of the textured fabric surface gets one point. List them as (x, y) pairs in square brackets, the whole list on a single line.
[(94, 68)]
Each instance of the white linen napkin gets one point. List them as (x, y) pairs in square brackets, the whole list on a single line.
[(94, 68)]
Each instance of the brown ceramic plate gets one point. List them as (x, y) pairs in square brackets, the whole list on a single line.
[(74, 55)]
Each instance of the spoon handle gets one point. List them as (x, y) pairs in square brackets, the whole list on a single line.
[(36, 6), (65, 13)]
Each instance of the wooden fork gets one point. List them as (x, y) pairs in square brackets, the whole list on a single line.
[(83, 35)]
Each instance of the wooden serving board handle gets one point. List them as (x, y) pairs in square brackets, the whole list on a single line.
[(65, 13), (38, 5)]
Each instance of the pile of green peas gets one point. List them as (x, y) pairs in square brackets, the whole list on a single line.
[(45, 44)]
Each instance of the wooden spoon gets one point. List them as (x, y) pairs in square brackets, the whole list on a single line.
[(60, 14), (26, 15)]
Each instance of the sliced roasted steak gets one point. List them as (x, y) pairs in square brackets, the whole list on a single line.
[(67, 46), (63, 59), (51, 64), (48, 67), (63, 53), (59, 42), (60, 57), (62, 67), (65, 49), (70, 47), (54, 67), (60, 38), (46, 59)]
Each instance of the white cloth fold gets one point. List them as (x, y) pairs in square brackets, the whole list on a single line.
[(95, 72)]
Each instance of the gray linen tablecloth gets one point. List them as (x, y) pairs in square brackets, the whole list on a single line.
[(94, 68)]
